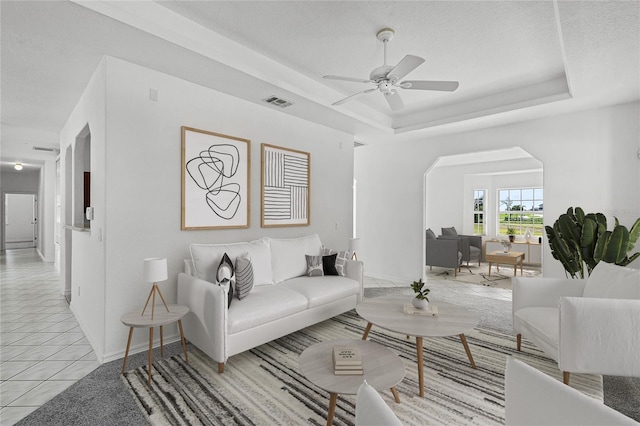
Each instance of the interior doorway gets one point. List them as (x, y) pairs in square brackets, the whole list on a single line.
[(20, 220), (451, 185)]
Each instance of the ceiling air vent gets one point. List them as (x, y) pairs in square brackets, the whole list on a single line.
[(47, 149), (279, 102)]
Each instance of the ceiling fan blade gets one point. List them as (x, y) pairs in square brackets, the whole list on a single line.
[(337, 77), (404, 67), (445, 86), (394, 100), (341, 101)]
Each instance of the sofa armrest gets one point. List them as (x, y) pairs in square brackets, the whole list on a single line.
[(207, 315), (354, 269), (543, 291), (599, 335)]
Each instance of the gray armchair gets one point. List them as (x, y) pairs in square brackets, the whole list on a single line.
[(470, 247), (443, 252)]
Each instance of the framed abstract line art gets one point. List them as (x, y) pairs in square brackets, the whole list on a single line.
[(215, 180), (286, 178)]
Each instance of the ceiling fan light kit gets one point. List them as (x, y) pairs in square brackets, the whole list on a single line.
[(386, 77)]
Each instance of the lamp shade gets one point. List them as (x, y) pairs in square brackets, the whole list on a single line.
[(354, 244), (155, 269)]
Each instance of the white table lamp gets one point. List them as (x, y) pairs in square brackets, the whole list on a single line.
[(354, 245), (155, 269)]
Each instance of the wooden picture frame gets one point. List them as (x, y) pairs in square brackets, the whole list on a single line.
[(215, 176), (286, 187)]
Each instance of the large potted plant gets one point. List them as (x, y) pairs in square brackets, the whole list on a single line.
[(578, 240)]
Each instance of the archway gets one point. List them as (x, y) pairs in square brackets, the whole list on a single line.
[(450, 182)]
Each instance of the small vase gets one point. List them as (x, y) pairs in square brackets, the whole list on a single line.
[(527, 236), (419, 303)]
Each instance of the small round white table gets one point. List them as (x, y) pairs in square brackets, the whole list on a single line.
[(160, 318), (383, 369), (386, 312)]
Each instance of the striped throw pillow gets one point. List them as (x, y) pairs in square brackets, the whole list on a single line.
[(244, 276)]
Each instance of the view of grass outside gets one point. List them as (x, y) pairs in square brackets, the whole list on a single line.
[(478, 212), (521, 209)]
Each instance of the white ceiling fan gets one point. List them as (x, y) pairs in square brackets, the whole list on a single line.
[(386, 77)]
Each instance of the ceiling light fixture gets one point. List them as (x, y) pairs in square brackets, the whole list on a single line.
[(18, 166)]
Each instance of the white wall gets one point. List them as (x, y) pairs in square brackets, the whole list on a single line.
[(139, 160), (86, 249), (590, 159)]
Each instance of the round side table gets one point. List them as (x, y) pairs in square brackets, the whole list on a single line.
[(160, 318), (383, 369)]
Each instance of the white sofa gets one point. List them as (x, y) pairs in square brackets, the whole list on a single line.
[(586, 325), (283, 299), (533, 398)]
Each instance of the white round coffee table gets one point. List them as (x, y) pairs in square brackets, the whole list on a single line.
[(383, 369), (387, 312)]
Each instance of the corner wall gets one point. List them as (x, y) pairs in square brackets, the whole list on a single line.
[(590, 159)]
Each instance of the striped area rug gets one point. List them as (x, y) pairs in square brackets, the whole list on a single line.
[(264, 387)]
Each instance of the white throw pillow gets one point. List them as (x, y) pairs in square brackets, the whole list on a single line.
[(288, 256), (608, 280)]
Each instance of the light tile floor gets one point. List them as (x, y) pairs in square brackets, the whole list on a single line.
[(42, 348)]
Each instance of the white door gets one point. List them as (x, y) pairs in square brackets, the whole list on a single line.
[(20, 220)]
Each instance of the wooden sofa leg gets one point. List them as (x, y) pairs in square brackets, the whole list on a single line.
[(518, 341), (221, 367), (565, 377)]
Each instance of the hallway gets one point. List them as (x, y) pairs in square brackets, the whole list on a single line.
[(42, 348)]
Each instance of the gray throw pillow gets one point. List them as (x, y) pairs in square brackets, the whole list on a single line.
[(430, 234), (449, 232), (314, 266), (244, 276)]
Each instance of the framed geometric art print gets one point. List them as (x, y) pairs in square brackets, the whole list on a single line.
[(215, 180), (286, 178)]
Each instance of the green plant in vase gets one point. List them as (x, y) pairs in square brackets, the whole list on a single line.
[(421, 299), (511, 232)]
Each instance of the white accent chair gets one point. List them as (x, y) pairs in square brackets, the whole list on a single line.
[(533, 398), (586, 325), (372, 410)]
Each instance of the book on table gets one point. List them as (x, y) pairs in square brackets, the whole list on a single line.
[(347, 360)]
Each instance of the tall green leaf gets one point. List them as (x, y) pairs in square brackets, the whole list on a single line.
[(616, 249)]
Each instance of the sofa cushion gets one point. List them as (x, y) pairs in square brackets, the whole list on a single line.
[(288, 255), (314, 266), (611, 281), (543, 322), (206, 258), (264, 304), (320, 291), (430, 235)]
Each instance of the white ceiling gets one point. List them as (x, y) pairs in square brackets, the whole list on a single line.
[(513, 59)]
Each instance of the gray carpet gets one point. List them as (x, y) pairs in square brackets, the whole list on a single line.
[(101, 398)]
